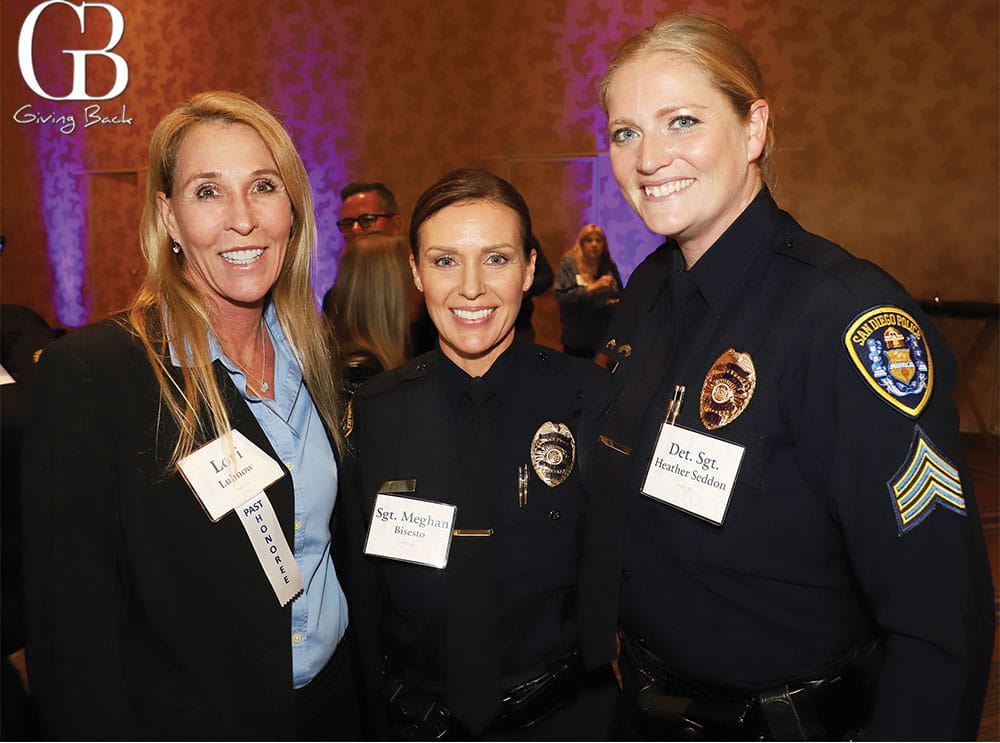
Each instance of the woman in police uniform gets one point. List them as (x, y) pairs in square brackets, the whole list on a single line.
[(801, 550), (470, 498)]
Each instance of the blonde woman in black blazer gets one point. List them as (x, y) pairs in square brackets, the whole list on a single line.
[(146, 619)]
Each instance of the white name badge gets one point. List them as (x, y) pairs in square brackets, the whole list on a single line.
[(693, 472), (227, 472), (411, 530), (276, 557), (5, 377)]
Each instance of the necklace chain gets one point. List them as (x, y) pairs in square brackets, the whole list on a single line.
[(258, 384)]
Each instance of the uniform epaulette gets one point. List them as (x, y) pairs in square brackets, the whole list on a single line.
[(543, 354), (556, 361), (814, 250), (860, 278), (381, 383)]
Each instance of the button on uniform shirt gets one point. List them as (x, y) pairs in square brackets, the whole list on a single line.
[(296, 432), (829, 539)]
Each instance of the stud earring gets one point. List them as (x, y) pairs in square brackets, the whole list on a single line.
[(175, 246)]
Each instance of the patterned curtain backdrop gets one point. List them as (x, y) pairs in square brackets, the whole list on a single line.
[(314, 84), (885, 116)]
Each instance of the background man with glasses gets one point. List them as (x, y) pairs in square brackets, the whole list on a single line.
[(368, 207), (364, 208)]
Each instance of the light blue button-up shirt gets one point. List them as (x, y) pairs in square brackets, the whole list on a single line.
[(294, 428)]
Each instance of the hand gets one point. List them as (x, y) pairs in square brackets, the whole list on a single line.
[(600, 283)]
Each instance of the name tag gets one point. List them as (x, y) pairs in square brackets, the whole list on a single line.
[(693, 472), (227, 472), (231, 473), (411, 530)]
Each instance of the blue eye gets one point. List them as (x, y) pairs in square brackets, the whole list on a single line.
[(206, 192), (497, 259), (624, 135), (444, 261), (684, 122)]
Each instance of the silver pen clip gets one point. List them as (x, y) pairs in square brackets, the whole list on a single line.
[(522, 486), (674, 407)]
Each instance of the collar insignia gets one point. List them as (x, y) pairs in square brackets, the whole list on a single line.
[(347, 423)]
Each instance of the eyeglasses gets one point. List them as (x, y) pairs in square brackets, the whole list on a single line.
[(365, 220)]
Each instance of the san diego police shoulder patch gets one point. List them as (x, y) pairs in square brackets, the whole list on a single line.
[(889, 349), (924, 481)]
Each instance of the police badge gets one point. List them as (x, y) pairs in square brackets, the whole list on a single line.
[(888, 347), (553, 453), (727, 389)]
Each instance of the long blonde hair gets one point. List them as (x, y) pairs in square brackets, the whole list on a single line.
[(370, 297), (168, 308), (603, 262)]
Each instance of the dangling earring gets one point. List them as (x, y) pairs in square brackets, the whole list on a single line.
[(175, 246)]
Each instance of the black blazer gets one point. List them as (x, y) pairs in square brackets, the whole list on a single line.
[(145, 619)]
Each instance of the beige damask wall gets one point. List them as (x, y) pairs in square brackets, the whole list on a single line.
[(887, 124)]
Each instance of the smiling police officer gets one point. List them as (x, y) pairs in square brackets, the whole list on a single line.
[(477, 621), (802, 555)]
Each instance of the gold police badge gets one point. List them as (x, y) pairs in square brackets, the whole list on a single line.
[(727, 390), (553, 453)]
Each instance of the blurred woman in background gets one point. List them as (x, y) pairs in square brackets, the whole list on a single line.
[(588, 289), (373, 293)]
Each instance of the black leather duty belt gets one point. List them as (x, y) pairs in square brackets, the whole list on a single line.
[(418, 712), (835, 707)]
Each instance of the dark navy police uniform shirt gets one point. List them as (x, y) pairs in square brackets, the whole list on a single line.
[(406, 427), (852, 515)]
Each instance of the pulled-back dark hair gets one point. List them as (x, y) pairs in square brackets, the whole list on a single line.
[(466, 186)]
